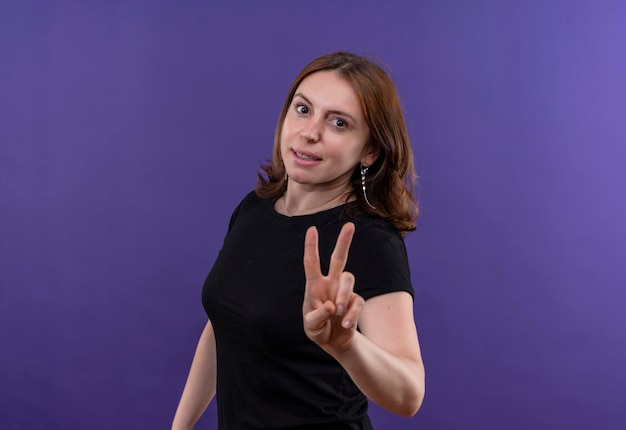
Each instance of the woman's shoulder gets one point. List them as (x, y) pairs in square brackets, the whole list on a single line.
[(374, 226), (249, 202), (251, 199)]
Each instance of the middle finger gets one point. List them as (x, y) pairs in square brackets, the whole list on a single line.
[(340, 254)]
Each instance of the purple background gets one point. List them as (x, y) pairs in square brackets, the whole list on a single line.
[(129, 130)]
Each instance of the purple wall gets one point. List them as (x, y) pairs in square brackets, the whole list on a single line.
[(129, 131)]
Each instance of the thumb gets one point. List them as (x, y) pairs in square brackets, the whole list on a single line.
[(316, 319)]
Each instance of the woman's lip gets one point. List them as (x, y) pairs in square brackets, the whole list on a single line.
[(306, 156)]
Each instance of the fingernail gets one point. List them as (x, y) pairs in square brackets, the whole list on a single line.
[(339, 310), (346, 323)]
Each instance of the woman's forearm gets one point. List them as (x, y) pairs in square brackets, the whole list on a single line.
[(200, 385), (393, 382)]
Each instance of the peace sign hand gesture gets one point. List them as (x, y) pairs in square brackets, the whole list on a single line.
[(331, 309)]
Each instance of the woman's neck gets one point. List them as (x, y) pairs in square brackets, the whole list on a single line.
[(292, 203)]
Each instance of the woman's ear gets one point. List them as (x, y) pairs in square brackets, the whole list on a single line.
[(370, 154)]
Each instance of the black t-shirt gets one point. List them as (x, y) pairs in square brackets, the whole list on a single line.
[(269, 374)]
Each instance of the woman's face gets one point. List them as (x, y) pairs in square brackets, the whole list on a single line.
[(324, 133)]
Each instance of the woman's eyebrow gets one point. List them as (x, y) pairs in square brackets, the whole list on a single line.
[(335, 112)]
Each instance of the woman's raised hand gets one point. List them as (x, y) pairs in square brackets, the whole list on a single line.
[(331, 309)]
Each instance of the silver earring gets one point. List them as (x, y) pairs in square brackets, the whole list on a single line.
[(364, 170)]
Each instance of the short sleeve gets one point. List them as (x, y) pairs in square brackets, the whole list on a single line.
[(243, 202), (378, 260)]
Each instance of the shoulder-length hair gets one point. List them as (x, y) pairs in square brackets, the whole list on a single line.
[(390, 180)]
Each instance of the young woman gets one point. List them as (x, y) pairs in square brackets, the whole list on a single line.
[(310, 301)]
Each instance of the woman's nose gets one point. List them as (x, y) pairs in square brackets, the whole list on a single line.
[(311, 132)]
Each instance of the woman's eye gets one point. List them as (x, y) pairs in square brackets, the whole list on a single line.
[(302, 109), (340, 123)]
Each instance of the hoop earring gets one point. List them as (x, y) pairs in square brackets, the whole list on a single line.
[(364, 170)]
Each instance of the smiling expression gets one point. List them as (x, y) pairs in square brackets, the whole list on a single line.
[(324, 135)]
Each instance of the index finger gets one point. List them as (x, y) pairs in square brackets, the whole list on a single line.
[(311, 259), (340, 254)]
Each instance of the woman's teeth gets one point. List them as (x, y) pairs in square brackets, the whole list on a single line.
[(305, 157)]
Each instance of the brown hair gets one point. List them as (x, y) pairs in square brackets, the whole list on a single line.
[(391, 178)]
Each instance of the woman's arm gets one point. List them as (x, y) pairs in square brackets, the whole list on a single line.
[(384, 359), (200, 385)]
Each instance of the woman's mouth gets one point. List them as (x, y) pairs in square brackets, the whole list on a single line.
[(306, 156)]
